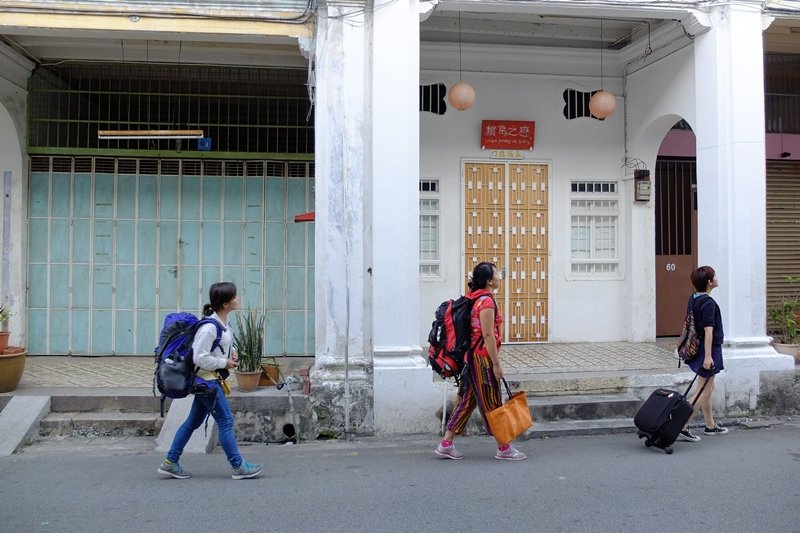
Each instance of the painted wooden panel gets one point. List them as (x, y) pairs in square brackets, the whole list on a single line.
[(124, 341), (39, 197), (233, 246), (212, 193), (38, 233), (102, 287), (254, 199), (59, 331), (253, 239), (276, 199), (190, 198), (82, 195), (37, 331), (59, 286), (295, 332), (147, 243), (212, 243), (59, 240), (125, 282), (275, 243), (273, 338), (168, 198), (148, 197), (190, 243), (146, 321), (233, 205), (61, 205), (103, 242), (253, 288), (168, 287), (125, 238), (37, 285), (81, 287), (104, 196), (102, 326), (126, 197), (79, 332)]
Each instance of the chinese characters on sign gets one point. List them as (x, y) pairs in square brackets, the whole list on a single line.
[(507, 134)]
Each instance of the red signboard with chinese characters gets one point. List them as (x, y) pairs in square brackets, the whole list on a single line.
[(507, 134)]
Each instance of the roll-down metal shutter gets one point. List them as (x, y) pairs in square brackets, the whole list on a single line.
[(783, 227)]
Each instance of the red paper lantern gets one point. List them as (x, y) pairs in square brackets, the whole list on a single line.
[(602, 104), (461, 96)]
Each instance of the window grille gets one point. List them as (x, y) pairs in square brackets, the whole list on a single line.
[(429, 230), (782, 93), (242, 110), (594, 210)]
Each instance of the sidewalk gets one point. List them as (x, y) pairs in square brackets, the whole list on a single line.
[(522, 360)]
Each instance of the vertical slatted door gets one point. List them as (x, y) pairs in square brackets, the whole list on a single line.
[(526, 282), (485, 219)]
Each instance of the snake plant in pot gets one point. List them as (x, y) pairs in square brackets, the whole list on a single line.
[(249, 339)]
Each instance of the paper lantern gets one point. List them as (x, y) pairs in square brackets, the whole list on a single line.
[(461, 96), (602, 104)]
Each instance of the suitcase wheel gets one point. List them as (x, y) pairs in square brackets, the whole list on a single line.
[(668, 450), (647, 443)]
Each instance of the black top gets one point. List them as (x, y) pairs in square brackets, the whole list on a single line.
[(707, 313)]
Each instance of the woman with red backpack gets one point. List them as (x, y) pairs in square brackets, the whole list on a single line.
[(481, 383)]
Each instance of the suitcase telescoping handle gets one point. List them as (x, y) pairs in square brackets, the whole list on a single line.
[(686, 394)]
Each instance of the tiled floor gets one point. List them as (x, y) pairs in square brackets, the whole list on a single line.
[(63, 371)]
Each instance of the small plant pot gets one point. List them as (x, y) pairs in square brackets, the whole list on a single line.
[(786, 349), (247, 381), (4, 340), (12, 365), (270, 375)]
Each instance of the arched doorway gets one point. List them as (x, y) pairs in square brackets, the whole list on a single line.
[(675, 227)]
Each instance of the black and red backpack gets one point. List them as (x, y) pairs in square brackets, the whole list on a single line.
[(450, 337)]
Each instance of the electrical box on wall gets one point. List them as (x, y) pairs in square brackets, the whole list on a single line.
[(641, 186)]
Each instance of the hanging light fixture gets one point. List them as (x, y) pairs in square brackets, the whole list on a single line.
[(461, 95), (602, 104)]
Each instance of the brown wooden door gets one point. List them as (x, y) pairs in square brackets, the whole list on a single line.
[(676, 241), (506, 223)]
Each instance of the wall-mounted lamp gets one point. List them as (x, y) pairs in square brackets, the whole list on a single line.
[(149, 134)]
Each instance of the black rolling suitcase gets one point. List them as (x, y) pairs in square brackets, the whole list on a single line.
[(663, 415)]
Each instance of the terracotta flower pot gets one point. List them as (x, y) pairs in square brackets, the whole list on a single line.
[(4, 340), (247, 381), (269, 375), (12, 365)]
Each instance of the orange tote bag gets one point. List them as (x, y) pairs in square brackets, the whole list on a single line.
[(512, 418)]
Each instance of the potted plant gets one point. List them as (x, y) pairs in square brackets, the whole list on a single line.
[(12, 358), (271, 372), (783, 319), (249, 341)]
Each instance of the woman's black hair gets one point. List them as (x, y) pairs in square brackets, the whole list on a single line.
[(219, 294), (481, 275)]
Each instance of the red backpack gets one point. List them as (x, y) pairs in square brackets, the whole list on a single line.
[(449, 337)]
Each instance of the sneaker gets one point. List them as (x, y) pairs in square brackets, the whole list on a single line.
[(173, 470), (247, 470), (688, 436), (450, 452), (716, 430), (511, 454)]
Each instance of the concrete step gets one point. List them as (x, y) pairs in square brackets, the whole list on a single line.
[(560, 428), (100, 424), (583, 406)]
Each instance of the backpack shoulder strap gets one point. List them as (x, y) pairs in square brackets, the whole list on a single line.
[(217, 342)]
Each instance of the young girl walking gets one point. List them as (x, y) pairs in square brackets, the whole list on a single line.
[(481, 384), (223, 300)]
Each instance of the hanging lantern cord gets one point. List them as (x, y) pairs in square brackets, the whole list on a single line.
[(601, 54), (459, 46)]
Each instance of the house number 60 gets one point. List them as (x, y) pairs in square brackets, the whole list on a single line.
[(670, 267)]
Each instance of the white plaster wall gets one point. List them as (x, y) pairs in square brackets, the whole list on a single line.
[(14, 71), (582, 148)]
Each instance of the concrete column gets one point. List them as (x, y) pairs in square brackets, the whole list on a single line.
[(731, 191), (405, 396), (14, 73), (342, 373)]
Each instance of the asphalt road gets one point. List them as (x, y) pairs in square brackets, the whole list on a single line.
[(746, 481)]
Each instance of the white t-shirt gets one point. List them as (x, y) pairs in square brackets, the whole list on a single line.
[(204, 358)]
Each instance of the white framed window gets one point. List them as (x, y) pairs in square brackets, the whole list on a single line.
[(429, 228), (594, 231)]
